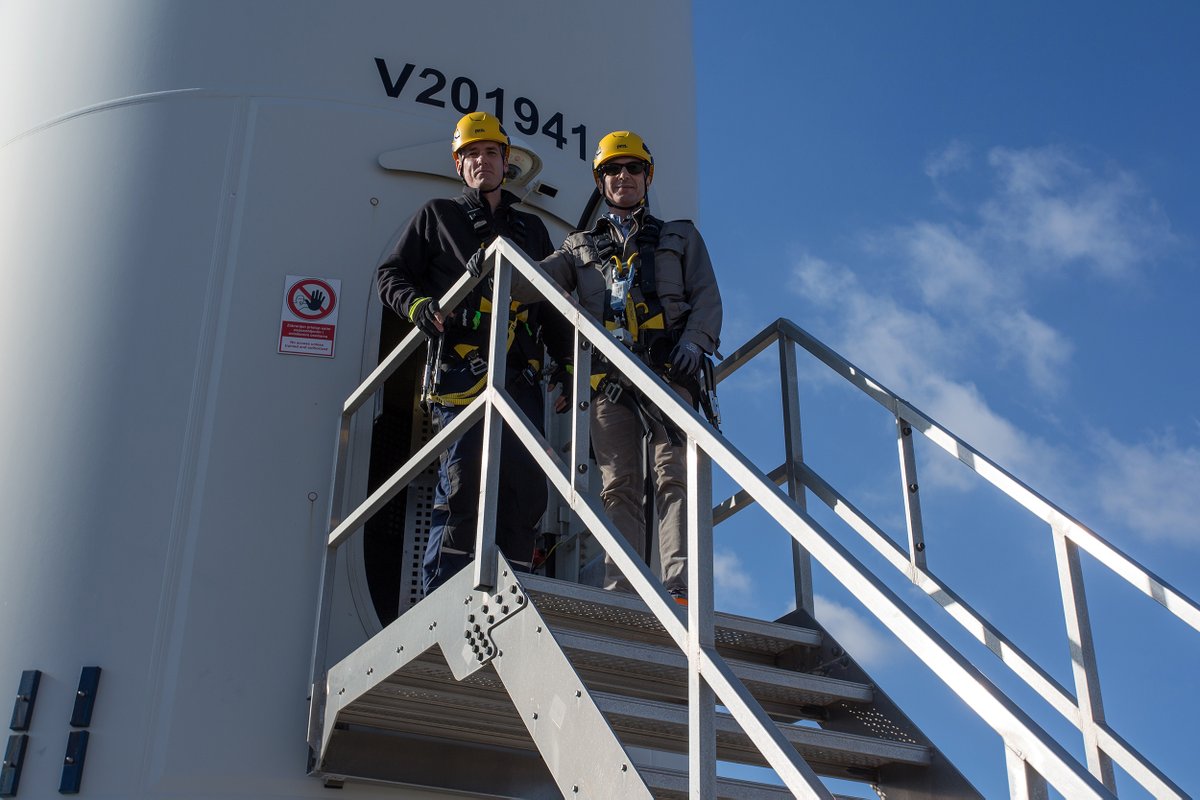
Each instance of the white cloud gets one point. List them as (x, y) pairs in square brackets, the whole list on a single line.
[(1152, 487), (947, 268), (729, 575), (863, 639), (1059, 213), (1044, 351)]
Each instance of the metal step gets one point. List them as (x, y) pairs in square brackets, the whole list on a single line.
[(664, 726), (659, 672), (626, 617)]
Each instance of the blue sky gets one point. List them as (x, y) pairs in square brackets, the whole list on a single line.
[(993, 210)]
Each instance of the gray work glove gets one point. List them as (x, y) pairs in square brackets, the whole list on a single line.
[(685, 360)]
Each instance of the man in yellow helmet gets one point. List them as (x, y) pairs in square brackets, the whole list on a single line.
[(429, 257), (651, 282)]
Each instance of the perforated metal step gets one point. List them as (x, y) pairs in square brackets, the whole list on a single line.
[(626, 617)]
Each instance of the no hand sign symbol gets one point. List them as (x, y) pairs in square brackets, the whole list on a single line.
[(311, 299), (308, 321)]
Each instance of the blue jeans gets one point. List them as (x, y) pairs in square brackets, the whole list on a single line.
[(520, 503)]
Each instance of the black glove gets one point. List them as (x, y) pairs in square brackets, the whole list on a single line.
[(475, 263), (603, 244), (685, 360), (421, 313)]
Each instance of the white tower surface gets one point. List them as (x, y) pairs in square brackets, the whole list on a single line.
[(164, 470)]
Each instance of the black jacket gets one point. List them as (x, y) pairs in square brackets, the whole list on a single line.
[(430, 256)]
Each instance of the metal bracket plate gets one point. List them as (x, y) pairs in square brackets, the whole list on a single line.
[(14, 758), (484, 614), (72, 773), (85, 697), (26, 697)]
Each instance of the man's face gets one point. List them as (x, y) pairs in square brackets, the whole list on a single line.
[(482, 165), (623, 188)]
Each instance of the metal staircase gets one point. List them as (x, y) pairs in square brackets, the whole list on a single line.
[(518, 685)]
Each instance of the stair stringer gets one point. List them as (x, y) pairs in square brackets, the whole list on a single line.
[(502, 628)]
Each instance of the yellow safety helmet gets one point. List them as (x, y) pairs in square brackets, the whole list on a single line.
[(478, 126), (622, 143)]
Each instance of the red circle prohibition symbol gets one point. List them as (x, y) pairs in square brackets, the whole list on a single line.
[(311, 299)]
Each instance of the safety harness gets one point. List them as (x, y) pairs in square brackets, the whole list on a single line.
[(468, 353), (633, 313)]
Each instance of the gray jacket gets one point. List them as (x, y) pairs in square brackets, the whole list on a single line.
[(683, 274)]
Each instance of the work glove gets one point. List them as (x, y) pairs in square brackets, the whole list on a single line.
[(421, 313), (685, 360), (475, 263)]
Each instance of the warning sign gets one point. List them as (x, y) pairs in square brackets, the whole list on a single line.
[(308, 321)]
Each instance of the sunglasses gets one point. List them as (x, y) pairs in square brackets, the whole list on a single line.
[(613, 170)]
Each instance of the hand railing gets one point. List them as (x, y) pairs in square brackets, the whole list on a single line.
[(1032, 753), (1084, 709)]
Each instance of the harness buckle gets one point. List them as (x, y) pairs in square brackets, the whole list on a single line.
[(476, 363), (612, 390)]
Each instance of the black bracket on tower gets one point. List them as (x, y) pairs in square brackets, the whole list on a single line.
[(85, 697), (26, 696), (14, 757), (77, 741), (72, 774)]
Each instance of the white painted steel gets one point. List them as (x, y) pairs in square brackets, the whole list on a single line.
[(163, 167)]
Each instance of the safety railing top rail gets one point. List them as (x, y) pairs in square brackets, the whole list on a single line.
[(1037, 751), (1084, 709)]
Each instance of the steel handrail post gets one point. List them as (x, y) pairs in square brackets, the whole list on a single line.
[(911, 490), (802, 574), (1083, 655), (702, 745), (489, 482), (581, 431)]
